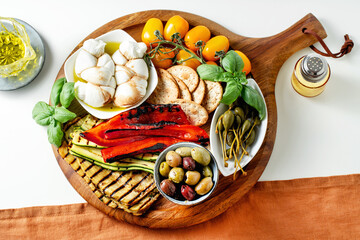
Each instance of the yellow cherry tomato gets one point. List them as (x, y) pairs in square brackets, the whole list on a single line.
[(196, 34), (215, 44), (164, 58), (247, 63), (211, 63), (175, 24), (150, 27), (182, 55)]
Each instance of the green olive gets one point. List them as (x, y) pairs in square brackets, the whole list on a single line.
[(228, 119), (206, 171), (164, 169), (184, 151), (246, 126), (230, 138), (192, 177), (204, 186), (251, 138), (176, 174), (240, 112), (173, 159), (200, 155)]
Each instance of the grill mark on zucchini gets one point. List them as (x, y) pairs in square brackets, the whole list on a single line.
[(138, 192), (120, 187), (141, 194), (116, 181), (134, 187), (128, 187)]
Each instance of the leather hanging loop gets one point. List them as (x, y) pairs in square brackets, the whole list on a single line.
[(345, 49)]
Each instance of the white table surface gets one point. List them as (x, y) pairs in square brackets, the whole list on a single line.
[(315, 136)]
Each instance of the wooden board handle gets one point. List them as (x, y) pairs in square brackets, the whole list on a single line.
[(280, 47)]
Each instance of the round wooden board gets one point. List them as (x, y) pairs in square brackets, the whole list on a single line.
[(267, 56)]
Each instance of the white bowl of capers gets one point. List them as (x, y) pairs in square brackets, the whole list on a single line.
[(186, 173)]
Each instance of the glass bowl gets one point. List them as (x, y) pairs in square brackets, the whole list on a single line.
[(10, 25)]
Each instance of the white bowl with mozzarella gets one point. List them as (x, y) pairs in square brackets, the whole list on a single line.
[(92, 96)]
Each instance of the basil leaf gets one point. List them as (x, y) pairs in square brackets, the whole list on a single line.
[(56, 90), (254, 99), (63, 115), (209, 72), (67, 94), (55, 133), (42, 113), (232, 62), (232, 92)]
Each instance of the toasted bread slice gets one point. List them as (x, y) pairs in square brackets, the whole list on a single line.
[(199, 93), (213, 95), (196, 113), (186, 74), (166, 90)]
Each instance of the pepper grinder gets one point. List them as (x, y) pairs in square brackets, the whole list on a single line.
[(311, 73)]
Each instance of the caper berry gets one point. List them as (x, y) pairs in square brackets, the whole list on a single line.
[(230, 138), (246, 126), (228, 119), (251, 138), (240, 112)]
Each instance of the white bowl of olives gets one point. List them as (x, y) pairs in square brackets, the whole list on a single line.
[(186, 173)]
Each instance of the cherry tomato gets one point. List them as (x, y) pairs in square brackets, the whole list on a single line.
[(162, 60), (247, 63), (175, 24), (196, 34), (182, 55), (215, 44), (211, 63), (150, 27)]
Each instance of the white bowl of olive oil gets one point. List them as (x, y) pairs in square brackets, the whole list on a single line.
[(113, 40)]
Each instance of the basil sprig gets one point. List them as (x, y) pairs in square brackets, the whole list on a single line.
[(62, 93), (231, 73)]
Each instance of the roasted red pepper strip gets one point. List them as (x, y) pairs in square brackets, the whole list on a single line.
[(147, 145), (185, 132), (169, 113)]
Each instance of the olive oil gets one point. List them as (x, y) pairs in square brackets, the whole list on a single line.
[(12, 48), (110, 48), (310, 75)]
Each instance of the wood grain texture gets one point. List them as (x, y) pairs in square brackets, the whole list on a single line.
[(267, 56)]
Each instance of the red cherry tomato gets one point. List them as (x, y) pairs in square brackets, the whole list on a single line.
[(247, 63), (163, 60), (218, 43), (175, 24), (182, 55), (196, 34), (150, 27)]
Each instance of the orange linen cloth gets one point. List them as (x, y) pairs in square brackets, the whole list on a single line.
[(313, 208)]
